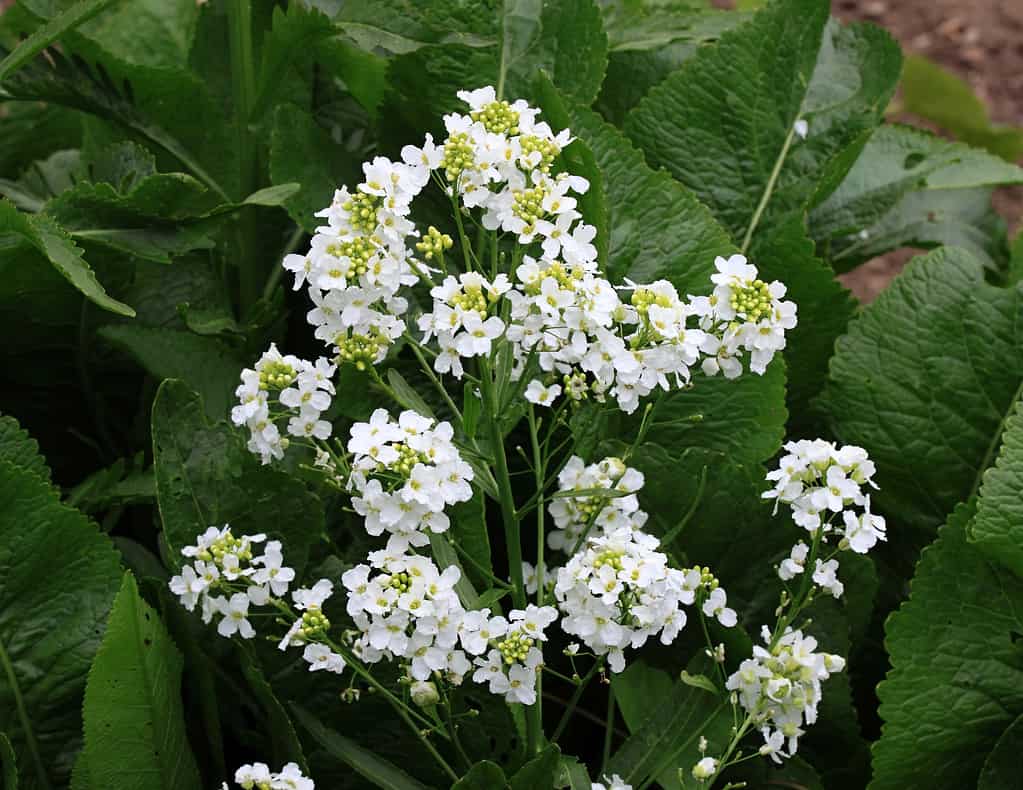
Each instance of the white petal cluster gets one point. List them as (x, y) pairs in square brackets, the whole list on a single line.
[(405, 473), (258, 776), (310, 628), (225, 577), (406, 609), (743, 315), (780, 687), (619, 591), (614, 782), (598, 513), (360, 259), (507, 651), (279, 388), (820, 482)]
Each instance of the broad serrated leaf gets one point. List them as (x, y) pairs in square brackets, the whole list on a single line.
[(374, 769), (204, 363), (724, 124), (541, 771), (21, 450), (997, 528), (399, 28), (205, 476), (58, 577), (924, 380), (67, 20), (133, 715), (1001, 768), (785, 253), (52, 242), (42, 180), (869, 212), (633, 71), (956, 681), (932, 92)]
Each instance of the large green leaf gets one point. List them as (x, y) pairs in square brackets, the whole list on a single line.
[(8, 763), (54, 244), (1001, 768), (375, 770), (956, 681), (934, 93), (58, 577), (924, 380), (21, 450), (133, 716), (205, 476), (484, 775), (874, 209), (633, 68), (724, 124), (998, 526), (398, 28), (204, 363), (657, 227)]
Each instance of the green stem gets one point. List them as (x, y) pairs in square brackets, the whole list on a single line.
[(278, 271), (609, 726), (540, 473), (26, 725), (463, 240), (243, 82), (574, 701), (766, 197)]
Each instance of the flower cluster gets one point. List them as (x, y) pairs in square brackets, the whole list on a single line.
[(258, 776), (577, 516), (618, 591), (226, 577), (405, 608), (508, 653), (405, 473), (780, 686), (819, 482), (743, 314), (310, 628), (278, 387), (360, 259), (614, 782)]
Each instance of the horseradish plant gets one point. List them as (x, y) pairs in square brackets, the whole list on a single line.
[(521, 313)]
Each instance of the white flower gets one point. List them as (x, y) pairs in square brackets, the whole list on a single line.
[(614, 782), (794, 564), (863, 531), (715, 606), (826, 575), (235, 612), (705, 769), (537, 393), (321, 657)]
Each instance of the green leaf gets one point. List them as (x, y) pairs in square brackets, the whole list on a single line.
[(1015, 273), (47, 237), (8, 763), (956, 681), (1001, 768), (205, 476), (372, 768), (632, 72), (825, 308), (58, 577), (276, 195), (565, 39), (871, 210), (541, 771), (938, 95), (400, 27), (41, 180), (998, 527), (21, 450), (67, 20), (636, 26), (924, 379), (406, 395), (699, 681), (657, 227), (469, 529), (285, 745), (723, 124), (303, 151), (134, 720), (484, 775), (204, 363), (667, 737), (572, 775)]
